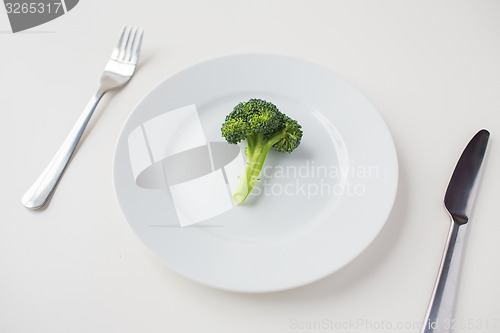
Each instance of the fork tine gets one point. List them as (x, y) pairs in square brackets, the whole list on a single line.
[(116, 50), (137, 46), (124, 43), (130, 44)]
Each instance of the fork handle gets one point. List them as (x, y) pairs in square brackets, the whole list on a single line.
[(43, 188), (439, 317)]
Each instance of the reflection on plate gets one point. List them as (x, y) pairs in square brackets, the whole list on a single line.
[(311, 212)]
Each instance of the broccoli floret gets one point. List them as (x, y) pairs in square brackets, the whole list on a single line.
[(263, 126)]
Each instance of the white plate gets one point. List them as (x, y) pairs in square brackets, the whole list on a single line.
[(319, 207)]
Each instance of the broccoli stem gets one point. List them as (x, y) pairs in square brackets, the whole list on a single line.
[(256, 153)]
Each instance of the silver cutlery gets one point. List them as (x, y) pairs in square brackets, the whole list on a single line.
[(118, 71), (458, 202)]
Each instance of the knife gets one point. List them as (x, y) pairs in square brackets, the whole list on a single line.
[(458, 202)]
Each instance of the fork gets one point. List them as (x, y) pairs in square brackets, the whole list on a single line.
[(118, 71)]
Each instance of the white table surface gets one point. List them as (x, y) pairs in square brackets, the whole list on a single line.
[(431, 68)]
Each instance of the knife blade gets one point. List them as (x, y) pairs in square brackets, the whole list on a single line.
[(458, 201), (462, 189)]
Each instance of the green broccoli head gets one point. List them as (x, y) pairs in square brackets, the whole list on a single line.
[(292, 134), (262, 126), (253, 117), (235, 130)]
